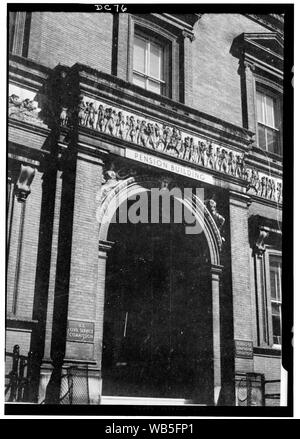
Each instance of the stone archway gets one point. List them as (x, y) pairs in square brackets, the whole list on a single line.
[(116, 194)]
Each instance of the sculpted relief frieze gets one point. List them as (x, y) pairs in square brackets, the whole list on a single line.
[(23, 105), (157, 136), (152, 135)]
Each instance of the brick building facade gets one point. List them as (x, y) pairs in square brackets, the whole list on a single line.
[(101, 108)]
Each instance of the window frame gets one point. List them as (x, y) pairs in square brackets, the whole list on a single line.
[(140, 26), (150, 39), (271, 252), (276, 93)]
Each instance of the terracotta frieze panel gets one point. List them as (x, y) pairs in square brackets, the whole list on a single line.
[(172, 141), (23, 105)]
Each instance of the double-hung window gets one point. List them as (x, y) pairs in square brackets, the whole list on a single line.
[(275, 296), (149, 64), (268, 121)]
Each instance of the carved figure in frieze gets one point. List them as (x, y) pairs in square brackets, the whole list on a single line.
[(279, 191), (254, 181), (91, 115), (210, 155), (127, 128), (232, 163), (121, 125), (167, 132), (239, 167), (100, 119), (203, 153), (142, 137), (224, 161), (151, 135), (81, 113), (158, 136), (269, 188), (273, 190), (187, 148), (111, 122), (64, 116), (132, 129), (263, 185), (196, 154)]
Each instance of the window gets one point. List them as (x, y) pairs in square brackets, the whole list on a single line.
[(268, 121), (275, 296), (149, 64)]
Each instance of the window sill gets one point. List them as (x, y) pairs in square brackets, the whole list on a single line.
[(274, 351)]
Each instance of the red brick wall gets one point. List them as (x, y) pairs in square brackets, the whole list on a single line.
[(216, 86), (83, 292), (68, 38), (28, 257)]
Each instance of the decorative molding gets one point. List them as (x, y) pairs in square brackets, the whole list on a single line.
[(188, 35), (24, 109), (26, 176), (219, 219), (110, 179), (262, 232), (259, 245), (153, 135)]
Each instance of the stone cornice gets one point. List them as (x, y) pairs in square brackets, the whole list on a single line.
[(98, 84)]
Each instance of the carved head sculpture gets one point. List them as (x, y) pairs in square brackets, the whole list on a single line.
[(15, 100)]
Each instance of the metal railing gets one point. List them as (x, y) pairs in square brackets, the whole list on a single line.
[(20, 378)]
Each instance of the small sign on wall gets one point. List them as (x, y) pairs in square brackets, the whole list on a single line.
[(243, 348), (82, 332)]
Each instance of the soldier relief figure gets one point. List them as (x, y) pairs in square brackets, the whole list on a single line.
[(170, 140)]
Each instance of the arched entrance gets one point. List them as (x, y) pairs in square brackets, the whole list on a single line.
[(161, 308)]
